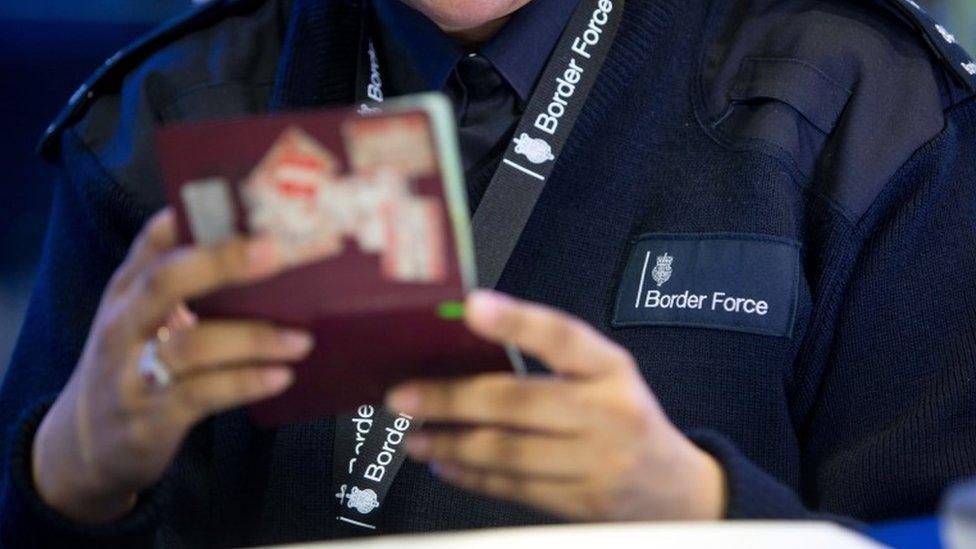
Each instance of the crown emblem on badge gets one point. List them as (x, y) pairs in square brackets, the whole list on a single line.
[(662, 271)]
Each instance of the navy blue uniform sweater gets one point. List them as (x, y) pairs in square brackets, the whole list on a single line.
[(827, 124)]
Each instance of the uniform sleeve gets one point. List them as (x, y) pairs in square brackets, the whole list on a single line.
[(90, 229), (892, 421)]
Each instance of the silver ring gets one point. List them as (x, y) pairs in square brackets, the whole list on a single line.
[(153, 371)]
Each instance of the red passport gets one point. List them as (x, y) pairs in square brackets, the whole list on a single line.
[(371, 212)]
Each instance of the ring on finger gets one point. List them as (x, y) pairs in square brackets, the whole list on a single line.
[(153, 370)]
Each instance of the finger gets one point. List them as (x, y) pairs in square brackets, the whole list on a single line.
[(207, 393), (193, 271), (505, 451), (157, 236), (564, 343), (565, 498), (540, 403), (214, 344)]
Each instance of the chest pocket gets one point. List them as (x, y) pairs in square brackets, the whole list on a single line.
[(785, 102)]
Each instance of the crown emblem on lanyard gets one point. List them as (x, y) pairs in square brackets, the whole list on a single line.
[(363, 501), (536, 150)]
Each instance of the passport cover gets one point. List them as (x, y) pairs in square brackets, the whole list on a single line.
[(371, 211)]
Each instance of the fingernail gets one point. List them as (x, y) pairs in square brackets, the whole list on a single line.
[(405, 400), (418, 444), (296, 341), (278, 379), (446, 472), (262, 254), (487, 306), (187, 318)]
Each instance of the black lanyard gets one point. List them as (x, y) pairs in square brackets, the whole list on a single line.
[(368, 452), (368, 445), (369, 79)]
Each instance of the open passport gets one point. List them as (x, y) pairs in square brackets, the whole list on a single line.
[(371, 212)]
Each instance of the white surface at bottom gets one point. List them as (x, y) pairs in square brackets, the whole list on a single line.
[(744, 534)]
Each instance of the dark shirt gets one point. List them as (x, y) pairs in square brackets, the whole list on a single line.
[(426, 56), (489, 87)]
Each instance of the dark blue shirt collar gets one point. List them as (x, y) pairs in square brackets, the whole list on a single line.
[(518, 52)]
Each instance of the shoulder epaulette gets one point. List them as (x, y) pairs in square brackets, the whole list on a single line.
[(940, 40), (123, 61)]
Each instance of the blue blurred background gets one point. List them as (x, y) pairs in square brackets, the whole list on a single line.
[(48, 47)]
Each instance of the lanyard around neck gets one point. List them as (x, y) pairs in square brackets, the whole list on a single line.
[(363, 466), (543, 130)]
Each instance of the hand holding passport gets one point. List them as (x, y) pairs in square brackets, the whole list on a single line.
[(370, 212)]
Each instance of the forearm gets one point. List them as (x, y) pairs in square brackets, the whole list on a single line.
[(62, 478), (27, 521)]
